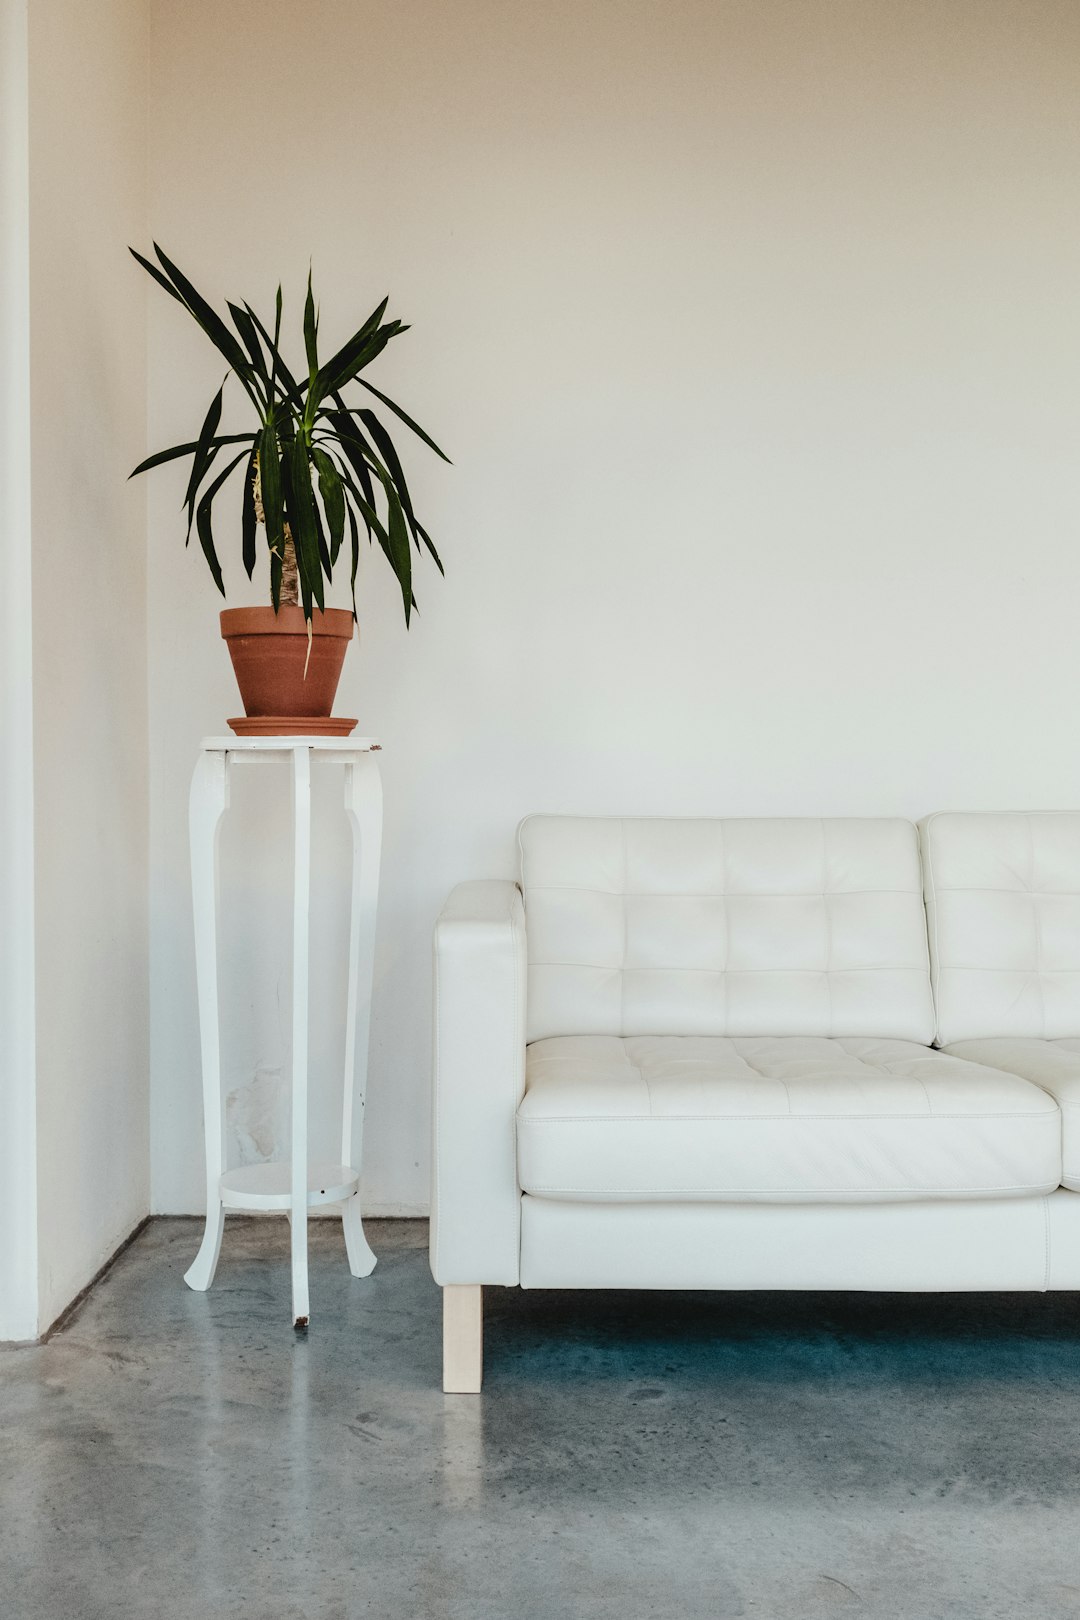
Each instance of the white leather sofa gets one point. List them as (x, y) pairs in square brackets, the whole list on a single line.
[(724, 1054)]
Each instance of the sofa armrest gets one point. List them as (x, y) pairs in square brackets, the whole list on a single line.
[(479, 1082)]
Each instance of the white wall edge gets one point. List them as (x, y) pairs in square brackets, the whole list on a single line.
[(18, 1125)]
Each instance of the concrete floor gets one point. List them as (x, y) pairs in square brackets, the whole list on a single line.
[(686, 1457)]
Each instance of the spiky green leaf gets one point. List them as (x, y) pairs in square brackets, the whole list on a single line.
[(270, 486), (248, 520), (162, 281), (250, 338), (430, 544), (408, 421), (354, 549), (300, 507), (208, 318), (390, 456), (333, 499), (203, 522), (355, 447), (277, 563), (362, 348), (393, 537), (324, 549), (328, 382), (311, 331), (400, 550), (204, 454), (371, 519), (281, 377), (178, 450), (356, 342)]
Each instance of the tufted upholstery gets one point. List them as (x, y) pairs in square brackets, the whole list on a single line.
[(777, 1121), (725, 927), (1003, 904)]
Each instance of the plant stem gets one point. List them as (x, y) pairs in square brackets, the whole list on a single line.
[(290, 574)]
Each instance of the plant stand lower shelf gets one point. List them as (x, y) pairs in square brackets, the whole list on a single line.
[(294, 1185), (269, 1186)]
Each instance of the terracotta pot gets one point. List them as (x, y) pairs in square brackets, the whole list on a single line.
[(269, 652)]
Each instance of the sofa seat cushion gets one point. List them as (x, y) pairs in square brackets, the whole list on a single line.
[(1053, 1065), (778, 1120)]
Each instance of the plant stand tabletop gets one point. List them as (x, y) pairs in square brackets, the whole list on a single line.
[(295, 1185)]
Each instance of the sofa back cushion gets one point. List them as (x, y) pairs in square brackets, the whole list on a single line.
[(1003, 906), (725, 927)]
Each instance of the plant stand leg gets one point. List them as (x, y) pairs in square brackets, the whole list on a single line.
[(209, 798), (362, 1261), (363, 802), (463, 1338), (298, 1210)]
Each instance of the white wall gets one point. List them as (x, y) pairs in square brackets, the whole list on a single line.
[(87, 199), (753, 331)]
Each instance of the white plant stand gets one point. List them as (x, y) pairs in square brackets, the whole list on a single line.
[(294, 1186)]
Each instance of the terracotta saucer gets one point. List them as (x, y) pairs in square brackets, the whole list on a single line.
[(291, 725)]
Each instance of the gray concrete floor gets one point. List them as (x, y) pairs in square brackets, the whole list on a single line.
[(696, 1457)]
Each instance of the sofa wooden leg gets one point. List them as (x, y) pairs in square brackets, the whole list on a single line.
[(463, 1338)]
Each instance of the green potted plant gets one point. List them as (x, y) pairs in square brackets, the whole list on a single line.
[(315, 469)]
